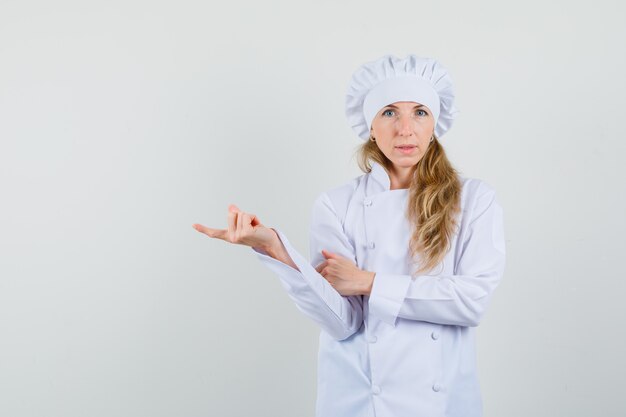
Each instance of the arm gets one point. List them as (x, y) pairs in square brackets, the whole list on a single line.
[(337, 315), (279, 252), (450, 299)]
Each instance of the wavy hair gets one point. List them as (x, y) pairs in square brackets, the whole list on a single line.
[(433, 204)]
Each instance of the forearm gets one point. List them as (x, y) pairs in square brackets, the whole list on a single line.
[(314, 296), (444, 299), (367, 282), (278, 251)]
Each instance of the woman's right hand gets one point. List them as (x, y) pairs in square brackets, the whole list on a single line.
[(243, 229)]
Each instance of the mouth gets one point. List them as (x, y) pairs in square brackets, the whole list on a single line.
[(406, 149)]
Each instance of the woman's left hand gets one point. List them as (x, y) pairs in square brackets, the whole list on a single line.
[(344, 275)]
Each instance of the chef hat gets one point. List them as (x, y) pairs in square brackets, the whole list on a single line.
[(386, 80)]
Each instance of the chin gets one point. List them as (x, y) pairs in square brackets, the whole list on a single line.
[(404, 164), (408, 161)]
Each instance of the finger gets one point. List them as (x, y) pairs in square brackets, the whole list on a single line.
[(216, 233), (239, 223), (245, 222), (232, 225), (331, 255)]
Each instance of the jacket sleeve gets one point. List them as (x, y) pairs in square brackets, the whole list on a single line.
[(339, 316), (450, 299)]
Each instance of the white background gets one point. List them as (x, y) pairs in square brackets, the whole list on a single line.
[(122, 123)]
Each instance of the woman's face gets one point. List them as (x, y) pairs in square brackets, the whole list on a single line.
[(403, 123)]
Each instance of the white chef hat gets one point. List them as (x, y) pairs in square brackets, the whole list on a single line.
[(386, 80)]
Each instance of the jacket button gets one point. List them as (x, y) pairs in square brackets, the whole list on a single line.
[(434, 335), (371, 245), (375, 389), (368, 202), (373, 339), (436, 387)]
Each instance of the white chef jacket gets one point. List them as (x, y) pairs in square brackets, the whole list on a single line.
[(407, 349)]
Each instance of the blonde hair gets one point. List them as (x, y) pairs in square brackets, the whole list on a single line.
[(433, 203)]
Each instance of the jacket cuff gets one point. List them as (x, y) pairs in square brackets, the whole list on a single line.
[(306, 279), (292, 278), (387, 296)]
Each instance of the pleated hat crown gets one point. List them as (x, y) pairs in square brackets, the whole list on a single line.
[(389, 79)]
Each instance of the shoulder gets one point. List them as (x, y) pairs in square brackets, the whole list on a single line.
[(476, 193), (341, 194), (473, 188), (477, 197), (337, 199)]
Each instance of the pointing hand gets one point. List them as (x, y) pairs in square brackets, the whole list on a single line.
[(344, 276)]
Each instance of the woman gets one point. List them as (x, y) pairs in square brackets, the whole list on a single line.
[(407, 256)]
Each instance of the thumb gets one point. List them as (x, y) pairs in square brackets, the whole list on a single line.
[(233, 208), (329, 255)]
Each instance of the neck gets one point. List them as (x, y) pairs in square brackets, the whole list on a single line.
[(400, 177)]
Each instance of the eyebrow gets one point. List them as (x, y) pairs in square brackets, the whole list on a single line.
[(395, 107)]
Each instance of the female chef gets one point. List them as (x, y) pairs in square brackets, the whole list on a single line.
[(404, 259)]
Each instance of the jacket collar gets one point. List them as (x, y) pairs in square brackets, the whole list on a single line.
[(378, 180)]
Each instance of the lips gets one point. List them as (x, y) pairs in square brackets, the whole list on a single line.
[(406, 149)]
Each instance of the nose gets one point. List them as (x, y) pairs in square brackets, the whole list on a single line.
[(405, 125)]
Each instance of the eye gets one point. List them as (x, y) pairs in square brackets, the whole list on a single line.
[(387, 111), (424, 113)]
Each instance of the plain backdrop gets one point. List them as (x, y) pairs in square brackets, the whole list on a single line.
[(122, 123)]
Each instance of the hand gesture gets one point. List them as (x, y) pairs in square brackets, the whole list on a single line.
[(344, 276), (243, 229)]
